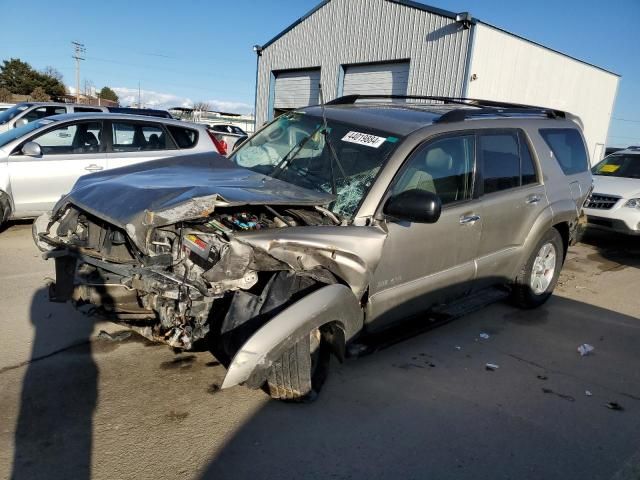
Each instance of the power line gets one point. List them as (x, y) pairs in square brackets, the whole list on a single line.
[(635, 139), (625, 120)]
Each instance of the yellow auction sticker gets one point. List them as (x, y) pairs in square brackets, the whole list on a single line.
[(609, 168)]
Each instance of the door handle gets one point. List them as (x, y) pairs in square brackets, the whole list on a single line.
[(94, 168), (533, 199), (469, 219)]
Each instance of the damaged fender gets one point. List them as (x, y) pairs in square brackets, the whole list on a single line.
[(333, 303)]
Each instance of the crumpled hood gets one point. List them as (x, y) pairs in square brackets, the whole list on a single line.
[(146, 195), (623, 187)]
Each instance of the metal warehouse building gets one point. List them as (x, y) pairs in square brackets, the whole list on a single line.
[(404, 47)]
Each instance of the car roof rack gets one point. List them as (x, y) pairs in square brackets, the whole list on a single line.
[(483, 107)]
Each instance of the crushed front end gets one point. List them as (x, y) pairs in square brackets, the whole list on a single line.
[(169, 284)]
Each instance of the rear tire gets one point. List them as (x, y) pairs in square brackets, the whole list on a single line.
[(300, 373), (538, 277), (5, 208)]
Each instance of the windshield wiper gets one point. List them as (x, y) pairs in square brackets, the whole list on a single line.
[(289, 156)]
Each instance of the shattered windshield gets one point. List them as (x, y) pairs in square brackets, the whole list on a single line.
[(342, 159), (619, 166)]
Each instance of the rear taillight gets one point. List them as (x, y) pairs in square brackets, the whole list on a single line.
[(220, 145)]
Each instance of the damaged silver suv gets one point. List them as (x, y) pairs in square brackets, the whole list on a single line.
[(331, 223)]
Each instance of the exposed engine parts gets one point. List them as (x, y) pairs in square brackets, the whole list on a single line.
[(170, 294)]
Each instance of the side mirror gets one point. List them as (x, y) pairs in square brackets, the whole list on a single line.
[(31, 149), (20, 122), (414, 205)]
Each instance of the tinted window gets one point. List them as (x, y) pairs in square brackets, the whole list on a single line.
[(444, 167), (184, 137), (568, 149), (135, 137), (501, 161), (42, 112), (86, 109), (528, 170), (69, 139)]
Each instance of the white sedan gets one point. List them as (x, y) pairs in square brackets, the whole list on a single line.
[(615, 202)]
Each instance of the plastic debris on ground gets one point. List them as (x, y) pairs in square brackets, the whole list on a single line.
[(484, 336), (588, 393), (614, 406), (542, 377), (585, 349), (491, 367), (458, 347), (115, 337)]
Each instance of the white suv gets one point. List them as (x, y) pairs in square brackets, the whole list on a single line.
[(615, 202), (26, 112)]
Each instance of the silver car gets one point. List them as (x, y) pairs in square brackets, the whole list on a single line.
[(41, 160), (329, 224)]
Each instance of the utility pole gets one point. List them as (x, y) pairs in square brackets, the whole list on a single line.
[(78, 51), (139, 96)]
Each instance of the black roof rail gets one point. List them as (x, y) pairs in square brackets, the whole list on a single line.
[(484, 107)]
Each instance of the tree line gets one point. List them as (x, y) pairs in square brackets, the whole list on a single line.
[(20, 78)]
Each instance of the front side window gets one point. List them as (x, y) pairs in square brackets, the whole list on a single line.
[(444, 167), (15, 133), (568, 149), (342, 159), (71, 139), (13, 112), (42, 112), (136, 136), (619, 165)]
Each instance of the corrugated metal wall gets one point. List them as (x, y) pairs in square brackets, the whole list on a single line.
[(296, 88), (377, 79), (344, 32)]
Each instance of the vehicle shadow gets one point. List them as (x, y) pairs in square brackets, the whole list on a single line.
[(53, 438), (7, 225), (428, 408), (613, 249)]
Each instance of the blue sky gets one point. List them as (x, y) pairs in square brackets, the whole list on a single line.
[(197, 50)]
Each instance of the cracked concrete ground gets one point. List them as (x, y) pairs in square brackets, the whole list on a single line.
[(422, 408)]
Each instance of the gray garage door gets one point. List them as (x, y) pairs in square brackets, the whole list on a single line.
[(378, 79), (296, 89)]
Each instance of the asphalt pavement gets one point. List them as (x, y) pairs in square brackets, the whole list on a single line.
[(77, 404)]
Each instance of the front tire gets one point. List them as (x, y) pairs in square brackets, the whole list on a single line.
[(538, 277), (5, 208), (301, 371)]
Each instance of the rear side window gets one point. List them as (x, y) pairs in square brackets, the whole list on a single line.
[(85, 109), (506, 161), (568, 149), (184, 137), (138, 136), (500, 161)]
